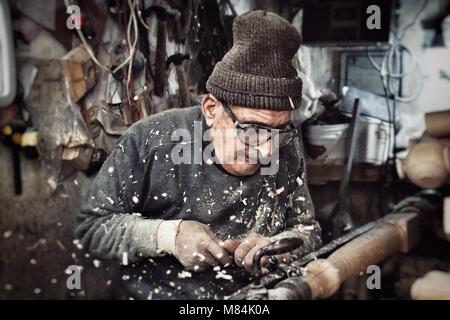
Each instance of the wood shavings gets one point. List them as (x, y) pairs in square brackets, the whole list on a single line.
[(7, 234), (184, 274), (41, 241), (59, 244), (77, 244), (223, 275), (125, 258)]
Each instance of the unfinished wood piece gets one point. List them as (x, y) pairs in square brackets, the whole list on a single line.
[(438, 123), (447, 158), (425, 165), (435, 285), (79, 72), (445, 141), (78, 157), (395, 232), (446, 217)]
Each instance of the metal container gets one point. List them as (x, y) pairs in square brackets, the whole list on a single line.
[(327, 143)]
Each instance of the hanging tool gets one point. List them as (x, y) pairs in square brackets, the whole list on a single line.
[(177, 59), (161, 12), (336, 216), (11, 136)]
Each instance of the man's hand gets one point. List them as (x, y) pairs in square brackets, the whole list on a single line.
[(245, 250), (196, 247)]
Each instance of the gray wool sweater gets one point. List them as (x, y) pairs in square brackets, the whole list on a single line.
[(139, 186)]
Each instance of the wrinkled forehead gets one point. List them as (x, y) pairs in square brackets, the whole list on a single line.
[(262, 116)]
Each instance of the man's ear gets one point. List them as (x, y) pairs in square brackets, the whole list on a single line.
[(210, 108)]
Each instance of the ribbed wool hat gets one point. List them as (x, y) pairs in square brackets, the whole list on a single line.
[(258, 72)]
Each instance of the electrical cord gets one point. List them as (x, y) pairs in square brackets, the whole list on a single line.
[(146, 26), (391, 61), (132, 47), (90, 51)]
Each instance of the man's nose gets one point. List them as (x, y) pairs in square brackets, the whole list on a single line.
[(265, 149)]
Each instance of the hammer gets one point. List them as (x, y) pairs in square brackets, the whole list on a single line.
[(161, 13), (177, 59), (394, 232)]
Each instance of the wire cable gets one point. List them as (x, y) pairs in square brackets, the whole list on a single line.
[(90, 51), (392, 61)]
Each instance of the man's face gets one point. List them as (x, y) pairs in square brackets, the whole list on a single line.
[(235, 156)]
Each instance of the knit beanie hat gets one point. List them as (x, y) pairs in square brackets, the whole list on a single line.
[(257, 72)]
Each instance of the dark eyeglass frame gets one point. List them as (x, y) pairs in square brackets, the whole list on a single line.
[(289, 128)]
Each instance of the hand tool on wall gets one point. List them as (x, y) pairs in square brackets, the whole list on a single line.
[(177, 59), (11, 136), (336, 216), (18, 135), (161, 13)]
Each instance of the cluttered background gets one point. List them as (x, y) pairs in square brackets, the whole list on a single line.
[(76, 74)]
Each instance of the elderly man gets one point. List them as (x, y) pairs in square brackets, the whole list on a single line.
[(190, 229)]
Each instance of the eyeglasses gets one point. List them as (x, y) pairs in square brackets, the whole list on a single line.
[(255, 135)]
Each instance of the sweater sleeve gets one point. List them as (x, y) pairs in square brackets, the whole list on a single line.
[(109, 224)]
